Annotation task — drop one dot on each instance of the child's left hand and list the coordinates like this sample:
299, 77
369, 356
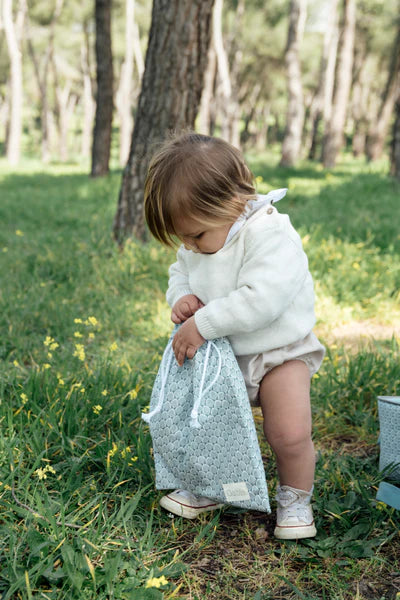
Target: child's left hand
186, 341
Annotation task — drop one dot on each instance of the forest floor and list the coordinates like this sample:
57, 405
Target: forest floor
83, 327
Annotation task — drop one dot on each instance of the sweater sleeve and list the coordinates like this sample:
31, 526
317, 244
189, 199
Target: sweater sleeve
178, 283
258, 300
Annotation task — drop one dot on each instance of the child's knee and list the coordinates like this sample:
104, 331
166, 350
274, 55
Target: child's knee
290, 441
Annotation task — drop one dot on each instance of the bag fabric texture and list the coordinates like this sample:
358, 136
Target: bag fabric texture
389, 440
202, 427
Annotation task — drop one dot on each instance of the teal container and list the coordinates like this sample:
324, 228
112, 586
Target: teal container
389, 419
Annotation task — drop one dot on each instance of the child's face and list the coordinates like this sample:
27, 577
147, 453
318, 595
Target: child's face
203, 238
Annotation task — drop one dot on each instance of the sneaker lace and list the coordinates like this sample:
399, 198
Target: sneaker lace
292, 506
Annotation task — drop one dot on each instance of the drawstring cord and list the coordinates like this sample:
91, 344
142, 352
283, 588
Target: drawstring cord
164, 375
194, 417
165, 368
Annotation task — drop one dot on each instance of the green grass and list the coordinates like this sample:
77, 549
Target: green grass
83, 327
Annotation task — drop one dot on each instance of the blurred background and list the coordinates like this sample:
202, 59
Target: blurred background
288, 73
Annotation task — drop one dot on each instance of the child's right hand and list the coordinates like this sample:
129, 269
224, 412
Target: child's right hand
185, 308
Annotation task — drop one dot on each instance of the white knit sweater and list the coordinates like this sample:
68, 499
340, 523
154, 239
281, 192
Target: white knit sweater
257, 289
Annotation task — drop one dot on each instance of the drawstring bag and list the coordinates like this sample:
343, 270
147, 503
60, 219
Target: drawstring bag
389, 457
202, 427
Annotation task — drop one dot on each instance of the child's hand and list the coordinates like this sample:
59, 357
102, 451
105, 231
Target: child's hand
185, 308
186, 341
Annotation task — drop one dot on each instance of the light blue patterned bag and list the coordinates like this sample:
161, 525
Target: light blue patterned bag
389, 439
202, 427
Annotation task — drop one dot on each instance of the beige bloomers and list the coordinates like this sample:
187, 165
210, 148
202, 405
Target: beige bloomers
255, 366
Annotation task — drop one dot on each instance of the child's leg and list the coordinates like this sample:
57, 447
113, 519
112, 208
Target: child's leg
285, 402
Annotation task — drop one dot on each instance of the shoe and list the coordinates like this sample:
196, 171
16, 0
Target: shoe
185, 504
294, 519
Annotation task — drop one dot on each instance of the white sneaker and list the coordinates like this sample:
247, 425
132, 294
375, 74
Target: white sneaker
294, 519
185, 504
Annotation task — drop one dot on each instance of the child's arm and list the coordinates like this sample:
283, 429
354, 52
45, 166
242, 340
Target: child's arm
179, 295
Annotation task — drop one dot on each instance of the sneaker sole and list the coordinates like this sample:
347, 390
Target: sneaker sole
185, 510
295, 533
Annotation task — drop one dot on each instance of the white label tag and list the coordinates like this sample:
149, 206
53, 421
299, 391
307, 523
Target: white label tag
236, 492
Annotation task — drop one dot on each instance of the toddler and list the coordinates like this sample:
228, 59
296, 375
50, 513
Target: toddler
241, 272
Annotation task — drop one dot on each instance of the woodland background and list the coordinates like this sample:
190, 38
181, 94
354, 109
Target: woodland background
293, 73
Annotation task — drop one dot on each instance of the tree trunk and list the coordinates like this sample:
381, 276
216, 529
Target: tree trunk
395, 149
228, 105
42, 81
323, 101
176, 60
13, 35
333, 140
89, 106
377, 135
295, 112
104, 97
207, 97
123, 97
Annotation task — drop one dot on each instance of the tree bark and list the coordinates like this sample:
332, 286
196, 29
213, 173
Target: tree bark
395, 147
13, 33
333, 140
295, 112
176, 60
229, 107
323, 101
207, 104
123, 99
104, 97
89, 106
377, 135
42, 81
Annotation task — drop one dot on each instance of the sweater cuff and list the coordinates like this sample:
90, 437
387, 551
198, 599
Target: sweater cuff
204, 326
178, 294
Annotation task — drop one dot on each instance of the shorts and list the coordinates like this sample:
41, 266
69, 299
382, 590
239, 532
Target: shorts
255, 366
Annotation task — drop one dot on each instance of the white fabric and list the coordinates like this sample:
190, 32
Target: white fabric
257, 289
252, 207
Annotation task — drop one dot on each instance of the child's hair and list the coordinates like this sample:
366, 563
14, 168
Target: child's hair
195, 176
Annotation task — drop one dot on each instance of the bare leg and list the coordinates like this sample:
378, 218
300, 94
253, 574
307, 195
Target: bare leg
285, 403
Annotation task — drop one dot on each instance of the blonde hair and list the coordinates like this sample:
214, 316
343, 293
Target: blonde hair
198, 176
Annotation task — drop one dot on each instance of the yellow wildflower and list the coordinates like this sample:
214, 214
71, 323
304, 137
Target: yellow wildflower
79, 352
133, 459
82, 390
16, 363
113, 347
5, 249
91, 336
19, 232
78, 321
46, 366
125, 451
92, 321
24, 398
42, 473
97, 409
114, 449
53, 346
104, 393
133, 394
77, 334
156, 582
49, 355
48, 341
